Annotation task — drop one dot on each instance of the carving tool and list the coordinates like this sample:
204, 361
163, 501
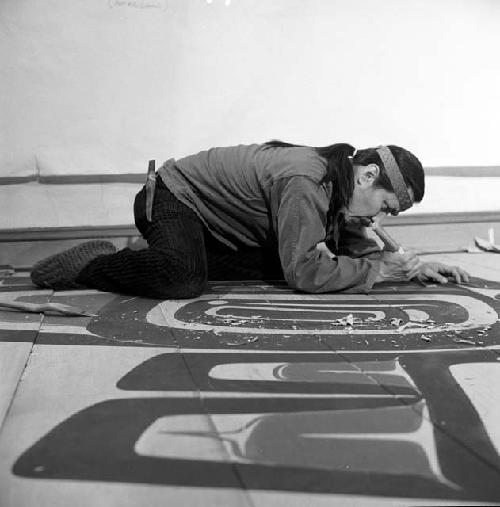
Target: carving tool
391, 245
59, 308
150, 189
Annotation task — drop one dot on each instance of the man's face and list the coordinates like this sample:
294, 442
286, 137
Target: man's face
368, 200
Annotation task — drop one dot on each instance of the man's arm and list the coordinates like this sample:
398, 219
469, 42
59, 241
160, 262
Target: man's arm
354, 242
299, 211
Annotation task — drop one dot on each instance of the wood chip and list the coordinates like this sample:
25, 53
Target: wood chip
468, 342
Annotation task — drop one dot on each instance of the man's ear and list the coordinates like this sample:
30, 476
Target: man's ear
369, 174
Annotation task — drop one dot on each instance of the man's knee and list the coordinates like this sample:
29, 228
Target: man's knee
182, 281
176, 277
190, 289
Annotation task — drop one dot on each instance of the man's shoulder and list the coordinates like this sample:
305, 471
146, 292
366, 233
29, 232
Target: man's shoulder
301, 161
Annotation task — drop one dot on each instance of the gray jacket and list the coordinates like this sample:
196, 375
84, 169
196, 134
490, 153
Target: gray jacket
258, 196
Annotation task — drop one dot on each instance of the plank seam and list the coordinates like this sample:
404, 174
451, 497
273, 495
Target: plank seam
21, 376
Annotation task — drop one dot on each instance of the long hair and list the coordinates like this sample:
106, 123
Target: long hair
341, 158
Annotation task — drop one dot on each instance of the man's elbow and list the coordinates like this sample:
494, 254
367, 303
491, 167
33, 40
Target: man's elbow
301, 282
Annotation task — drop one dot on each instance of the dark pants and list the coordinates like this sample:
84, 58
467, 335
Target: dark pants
181, 255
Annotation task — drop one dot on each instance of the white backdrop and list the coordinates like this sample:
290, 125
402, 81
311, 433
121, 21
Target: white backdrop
101, 86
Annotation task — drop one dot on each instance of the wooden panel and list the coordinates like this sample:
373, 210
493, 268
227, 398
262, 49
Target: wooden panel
254, 387
69, 420
323, 421
441, 353
74, 417
18, 331
13, 358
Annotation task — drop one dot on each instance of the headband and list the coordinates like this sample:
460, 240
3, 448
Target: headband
396, 178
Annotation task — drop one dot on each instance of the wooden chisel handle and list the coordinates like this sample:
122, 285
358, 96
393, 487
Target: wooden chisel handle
391, 245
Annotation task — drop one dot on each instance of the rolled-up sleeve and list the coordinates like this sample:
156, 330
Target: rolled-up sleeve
299, 208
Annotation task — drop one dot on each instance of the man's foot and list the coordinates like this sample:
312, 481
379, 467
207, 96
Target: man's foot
59, 271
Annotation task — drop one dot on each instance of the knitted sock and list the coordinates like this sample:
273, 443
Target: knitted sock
59, 271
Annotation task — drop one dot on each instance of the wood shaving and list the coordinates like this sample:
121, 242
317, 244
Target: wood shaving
411, 324
348, 320
246, 341
396, 322
468, 342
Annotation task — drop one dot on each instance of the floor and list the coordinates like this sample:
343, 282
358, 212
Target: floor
253, 395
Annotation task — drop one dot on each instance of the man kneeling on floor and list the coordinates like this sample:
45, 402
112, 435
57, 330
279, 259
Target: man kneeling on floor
259, 212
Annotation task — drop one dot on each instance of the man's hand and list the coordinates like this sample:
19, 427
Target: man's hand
398, 267
441, 273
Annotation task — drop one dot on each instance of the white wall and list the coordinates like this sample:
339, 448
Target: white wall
95, 86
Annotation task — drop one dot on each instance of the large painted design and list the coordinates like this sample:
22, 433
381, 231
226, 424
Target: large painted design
345, 321
379, 394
